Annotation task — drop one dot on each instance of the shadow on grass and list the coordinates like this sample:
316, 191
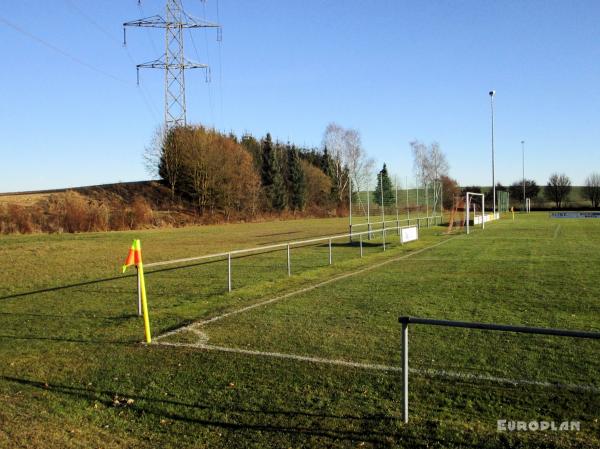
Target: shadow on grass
68, 340
109, 279
249, 419
123, 317
149, 272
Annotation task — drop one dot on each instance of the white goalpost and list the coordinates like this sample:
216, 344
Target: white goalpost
468, 207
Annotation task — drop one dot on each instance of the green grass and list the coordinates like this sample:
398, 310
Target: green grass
71, 355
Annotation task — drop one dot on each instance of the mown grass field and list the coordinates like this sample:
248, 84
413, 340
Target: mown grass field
73, 372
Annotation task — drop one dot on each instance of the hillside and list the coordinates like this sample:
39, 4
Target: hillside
153, 191
106, 207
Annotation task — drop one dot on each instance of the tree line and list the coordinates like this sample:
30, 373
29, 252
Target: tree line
224, 174
557, 189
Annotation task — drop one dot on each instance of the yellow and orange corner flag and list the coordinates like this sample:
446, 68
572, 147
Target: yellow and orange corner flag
135, 258
135, 255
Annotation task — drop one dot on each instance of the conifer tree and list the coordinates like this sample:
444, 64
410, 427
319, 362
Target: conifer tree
272, 176
297, 180
383, 181
266, 172
278, 190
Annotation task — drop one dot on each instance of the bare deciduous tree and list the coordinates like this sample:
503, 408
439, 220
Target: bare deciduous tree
419, 151
592, 189
429, 162
437, 164
360, 166
333, 140
152, 153
164, 157
430, 166
349, 157
558, 189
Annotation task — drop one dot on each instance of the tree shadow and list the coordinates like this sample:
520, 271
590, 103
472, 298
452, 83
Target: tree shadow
149, 272
69, 340
254, 420
122, 317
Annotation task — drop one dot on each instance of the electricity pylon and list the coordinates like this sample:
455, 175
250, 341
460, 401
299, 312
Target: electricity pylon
173, 61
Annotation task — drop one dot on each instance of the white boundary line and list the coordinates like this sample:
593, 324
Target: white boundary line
556, 231
389, 368
199, 324
202, 339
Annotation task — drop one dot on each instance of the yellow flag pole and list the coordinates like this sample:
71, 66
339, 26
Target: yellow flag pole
144, 299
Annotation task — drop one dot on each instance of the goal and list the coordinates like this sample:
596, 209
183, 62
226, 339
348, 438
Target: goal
481, 219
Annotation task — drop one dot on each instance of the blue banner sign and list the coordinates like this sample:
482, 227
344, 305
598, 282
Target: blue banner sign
575, 215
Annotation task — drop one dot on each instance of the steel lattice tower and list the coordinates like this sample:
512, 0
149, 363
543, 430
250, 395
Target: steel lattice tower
173, 61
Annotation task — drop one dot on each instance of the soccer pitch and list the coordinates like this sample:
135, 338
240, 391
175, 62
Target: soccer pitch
311, 360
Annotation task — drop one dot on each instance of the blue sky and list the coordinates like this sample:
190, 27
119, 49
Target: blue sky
394, 70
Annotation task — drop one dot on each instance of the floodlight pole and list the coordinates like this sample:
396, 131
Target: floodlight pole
368, 212
523, 155
427, 203
492, 93
407, 205
350, 202
418, 210
382, 206
397, 216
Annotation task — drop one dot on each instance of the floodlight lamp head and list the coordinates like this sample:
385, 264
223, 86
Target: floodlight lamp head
492, 93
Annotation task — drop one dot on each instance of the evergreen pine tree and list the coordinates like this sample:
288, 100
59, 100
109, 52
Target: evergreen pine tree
383, 181
271, 175
326, 163
266, 172
297, 180
278, 191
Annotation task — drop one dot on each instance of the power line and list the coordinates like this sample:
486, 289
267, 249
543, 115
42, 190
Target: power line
59, 50
220, 41
173, 61
147, 31
142, 91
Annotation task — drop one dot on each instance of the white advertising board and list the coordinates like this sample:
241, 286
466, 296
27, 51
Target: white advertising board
409, 234
575, 215
485, 218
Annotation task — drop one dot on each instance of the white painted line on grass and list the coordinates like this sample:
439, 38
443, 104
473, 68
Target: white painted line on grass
202, 340
381, 367
298, 292
556, 231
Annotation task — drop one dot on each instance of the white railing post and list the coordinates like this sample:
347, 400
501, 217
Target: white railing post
405, 371
361, 246
139, 291
330, 256
468, 206
229, 272
383, 236
483, 211
289, 261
